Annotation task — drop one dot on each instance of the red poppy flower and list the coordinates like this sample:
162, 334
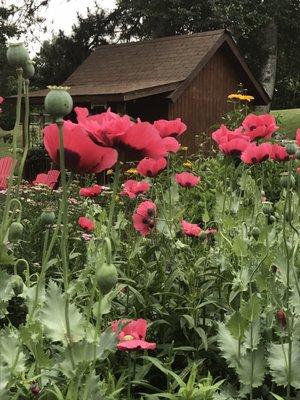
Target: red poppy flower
190, 229
186, 179
234, 147
223, 135
91, 191
173, 128
298, 137
133, 335
133, 188
255, 154
259, 126
144, 217
86, 223
1, 99
104, 128
281, 318
7, 165
81, 154
279, 153
151, 167
49, 179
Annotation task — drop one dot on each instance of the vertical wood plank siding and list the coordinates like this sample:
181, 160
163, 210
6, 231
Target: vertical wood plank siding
204, 101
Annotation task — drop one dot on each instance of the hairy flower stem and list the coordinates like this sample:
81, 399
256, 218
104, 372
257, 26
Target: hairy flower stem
64, 238
129, 376
4, 223
26, 133
287, 214
113, 200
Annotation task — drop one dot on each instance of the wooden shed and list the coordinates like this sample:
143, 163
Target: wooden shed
185, 76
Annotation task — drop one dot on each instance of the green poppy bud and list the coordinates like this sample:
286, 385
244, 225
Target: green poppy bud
267, 207
15, 231
58, 102
297, 155
28, 69
285, 180
202, 236
255, 232
291, 148
47, 217
271, 219
17, 55
107, 277
17, 285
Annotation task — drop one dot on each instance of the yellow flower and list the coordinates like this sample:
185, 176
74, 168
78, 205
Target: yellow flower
247, 98
233, 96
184, 148
239, 96
187, 164
109, 172
131, 171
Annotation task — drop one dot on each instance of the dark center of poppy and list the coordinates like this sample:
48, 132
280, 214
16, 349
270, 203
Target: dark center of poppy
252, 127
150, 212
188, 184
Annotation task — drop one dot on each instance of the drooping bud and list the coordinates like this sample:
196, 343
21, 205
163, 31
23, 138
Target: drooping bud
15, 231
17, 55
255, 232
281, 318
47, 217
267, 207
287, 181
28, 69
58, 102
107, 277
17, 285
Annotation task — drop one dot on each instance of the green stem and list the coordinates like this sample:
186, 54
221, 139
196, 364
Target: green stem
26, 134
113, 201
4, 223
129, 376
64, 237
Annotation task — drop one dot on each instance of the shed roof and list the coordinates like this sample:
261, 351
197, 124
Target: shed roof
137, 69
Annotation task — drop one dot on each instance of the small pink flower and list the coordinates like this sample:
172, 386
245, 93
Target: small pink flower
71, 200
86, 223
133, 188
186, 179
133, 335
87, 236
91, 191
1, 99
254, 154
190, 229
151, 167
298, 137
259, 126
144, 217
173, 128
7, 165
49, 178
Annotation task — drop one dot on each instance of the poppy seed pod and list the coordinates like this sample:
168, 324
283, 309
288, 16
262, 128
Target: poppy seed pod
47, 217
17, 55
58, 102
15, 231
107, 277
291, 148
28, 69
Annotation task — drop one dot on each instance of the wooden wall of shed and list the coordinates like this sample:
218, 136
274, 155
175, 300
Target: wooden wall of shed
148, 108
204, 101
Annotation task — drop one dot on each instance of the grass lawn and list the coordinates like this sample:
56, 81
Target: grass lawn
289, 120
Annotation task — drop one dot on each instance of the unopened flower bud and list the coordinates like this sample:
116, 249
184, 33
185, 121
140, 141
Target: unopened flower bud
15, 231
291, 148
17, 55
202, 236
58, 102
107, 277
48, 217
17, 285
255, 232
267, 207
287, 181
281, 318
297, 155
35, 389
28, 69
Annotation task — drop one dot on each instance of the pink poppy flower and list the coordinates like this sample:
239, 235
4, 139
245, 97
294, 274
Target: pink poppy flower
298, 137
133, 188
190, 229
49, 179
81, 153
151, 167
171, 144
223, 135
86, 223
186, 179
133, 335
144, 217
259, 126
1, 99
91, 191
255, 154
234, 147
7, 165
211, 231
278, 153
172, 128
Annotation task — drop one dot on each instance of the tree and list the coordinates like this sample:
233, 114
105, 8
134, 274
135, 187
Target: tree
59, 57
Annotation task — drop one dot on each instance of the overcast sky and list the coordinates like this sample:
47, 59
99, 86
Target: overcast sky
61, 14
